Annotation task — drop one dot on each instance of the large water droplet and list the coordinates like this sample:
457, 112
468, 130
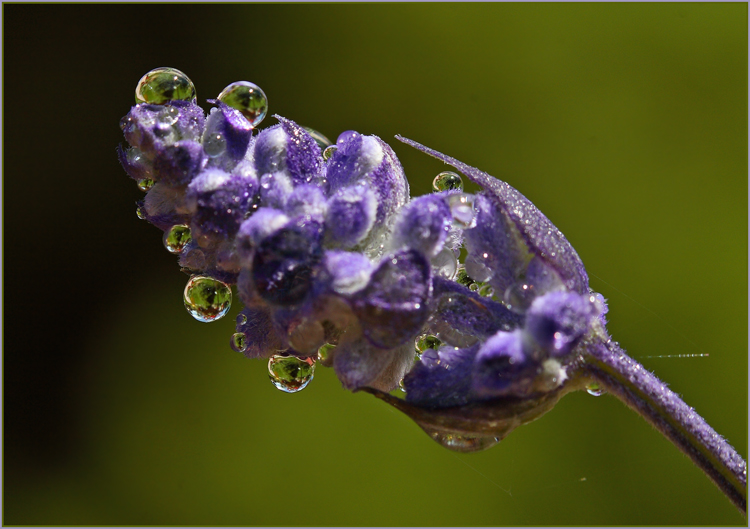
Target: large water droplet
248, 98
519, 296
214, 144
426, 341
445, 264
176, 238
289, 373
207, 299
486, 291
447, 181
345, 136
329, 152
238, 342
324, 352
321, 140
144, 184
463, 443
593, 388
462, 210
161, 85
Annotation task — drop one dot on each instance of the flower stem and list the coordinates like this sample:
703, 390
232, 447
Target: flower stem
623, 377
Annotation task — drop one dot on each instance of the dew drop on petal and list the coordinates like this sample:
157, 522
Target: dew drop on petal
324, 352
144, 184
176, 238
319, 138
486, 291
463, 443
241, 319
445, 264
248, 98
162, 85
519, 296
168, 116
207, 299
448, 181
426, 341
289, 373
345, 136
462, 210
140, 211
593, 388
238, 342
328, 152
214, 144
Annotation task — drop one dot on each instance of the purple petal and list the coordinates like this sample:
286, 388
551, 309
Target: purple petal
558, 320
285, 264
502, 366
304, 160
392, 308
351, 214
134, 163
441, 378
539, 234
233, 126
260, 336
179, 163
349, 271
219, 202
359, 363
423, 224
307, 200
369, 158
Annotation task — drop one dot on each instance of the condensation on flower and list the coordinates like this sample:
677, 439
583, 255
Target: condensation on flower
336, 264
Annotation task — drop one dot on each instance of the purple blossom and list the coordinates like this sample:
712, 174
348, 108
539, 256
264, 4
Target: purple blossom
329, 254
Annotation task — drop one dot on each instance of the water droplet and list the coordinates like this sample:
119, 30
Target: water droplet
463, 443
462, 210
321, 140
176, 238
345, 136
426, 341
289, 373
140, 211
168, 116
401, 385
474, 286
325, 351
238, 342
162, 85
241, 319
593, 388
207, 299
144, 184
248, 98
486, 291
329, 151
519, 296
445, 264
214, 144
447, 181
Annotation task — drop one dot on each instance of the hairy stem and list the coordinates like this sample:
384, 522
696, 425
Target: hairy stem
629, 381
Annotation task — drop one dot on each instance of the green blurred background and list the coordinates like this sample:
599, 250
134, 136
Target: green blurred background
626, 124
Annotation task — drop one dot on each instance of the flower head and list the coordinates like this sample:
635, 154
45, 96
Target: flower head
337, 265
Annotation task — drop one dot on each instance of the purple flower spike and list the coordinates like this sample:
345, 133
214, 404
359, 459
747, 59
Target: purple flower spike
393, 307
539, 234
234, 128
334, 264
